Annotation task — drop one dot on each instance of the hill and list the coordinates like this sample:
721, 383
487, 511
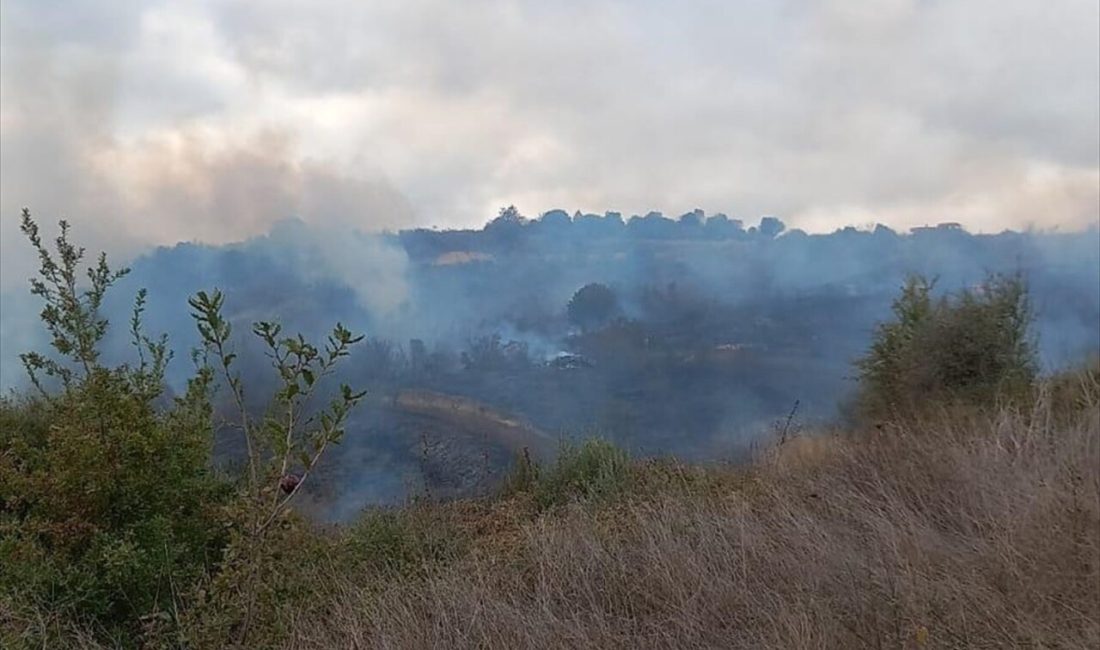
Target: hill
963, 528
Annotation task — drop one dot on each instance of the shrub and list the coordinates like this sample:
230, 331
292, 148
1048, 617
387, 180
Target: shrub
405, 540
110, 512
107, 504
300, 573
594, 469
973, 347
592, 305
490, 352
259, 588
523, 475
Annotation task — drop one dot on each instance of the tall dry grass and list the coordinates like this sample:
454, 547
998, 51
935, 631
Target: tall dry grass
962, 529
966, 528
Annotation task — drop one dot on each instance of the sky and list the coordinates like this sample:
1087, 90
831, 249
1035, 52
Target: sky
157, 122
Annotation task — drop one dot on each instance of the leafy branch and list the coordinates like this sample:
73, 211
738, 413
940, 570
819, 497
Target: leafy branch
285, 436
71, 315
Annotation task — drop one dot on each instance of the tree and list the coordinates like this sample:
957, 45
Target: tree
721, 226
972, 347
556, 220
507, 229
691, 223
596, 226
508, 218
592, 305
653, 225
771, 227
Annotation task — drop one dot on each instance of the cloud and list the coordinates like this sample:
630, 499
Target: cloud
214, 188
781, 108
132, 135
213, 120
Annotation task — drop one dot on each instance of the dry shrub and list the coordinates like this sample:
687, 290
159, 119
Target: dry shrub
964, 529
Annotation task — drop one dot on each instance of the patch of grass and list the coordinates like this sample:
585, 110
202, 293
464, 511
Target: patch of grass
978, 529
592, 470
406, 540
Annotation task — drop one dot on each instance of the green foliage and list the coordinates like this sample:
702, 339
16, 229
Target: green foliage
524, 475
298, 572
258, 588
289, 436
71, 315
283, 446
592, 470
405, 540
111, 516
972, 347
107, 504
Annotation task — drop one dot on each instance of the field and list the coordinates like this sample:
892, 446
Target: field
963, 528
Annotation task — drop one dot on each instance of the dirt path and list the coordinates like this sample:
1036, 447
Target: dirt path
476, 418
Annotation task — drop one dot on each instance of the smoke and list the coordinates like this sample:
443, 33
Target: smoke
134, 118
166, 122
721, 328
370, 265
74, 137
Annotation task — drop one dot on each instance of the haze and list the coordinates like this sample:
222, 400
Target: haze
153, 123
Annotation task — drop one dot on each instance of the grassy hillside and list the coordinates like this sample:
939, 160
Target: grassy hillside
961, 530
975, 527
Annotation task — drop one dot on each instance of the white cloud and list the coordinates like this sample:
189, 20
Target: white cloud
213, 119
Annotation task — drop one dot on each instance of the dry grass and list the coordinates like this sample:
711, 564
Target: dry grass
962, 530
965, 529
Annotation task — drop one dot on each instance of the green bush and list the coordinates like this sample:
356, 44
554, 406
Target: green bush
298, 573
973, 346
259, 589
405, 540
107, 504
592, 470
111, 514
592, 305
523, 476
